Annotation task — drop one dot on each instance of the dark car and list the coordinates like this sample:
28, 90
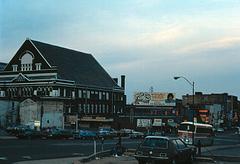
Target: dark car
60, 134
158, 149
15, 130
29, 134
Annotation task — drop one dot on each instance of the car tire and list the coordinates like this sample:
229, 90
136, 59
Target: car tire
141, 162
190, 159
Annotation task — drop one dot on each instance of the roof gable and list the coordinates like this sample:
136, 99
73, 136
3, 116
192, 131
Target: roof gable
27, 47
20, 78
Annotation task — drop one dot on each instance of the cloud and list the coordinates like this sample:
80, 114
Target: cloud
218, 44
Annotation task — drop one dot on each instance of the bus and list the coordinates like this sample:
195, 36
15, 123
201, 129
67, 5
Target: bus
202, 132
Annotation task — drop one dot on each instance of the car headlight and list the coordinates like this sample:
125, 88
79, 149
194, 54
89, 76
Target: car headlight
186, 140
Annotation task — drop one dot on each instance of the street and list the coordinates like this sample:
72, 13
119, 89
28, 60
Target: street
15, 150
20, 150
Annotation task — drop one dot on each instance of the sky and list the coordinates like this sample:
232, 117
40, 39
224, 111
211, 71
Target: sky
149, 41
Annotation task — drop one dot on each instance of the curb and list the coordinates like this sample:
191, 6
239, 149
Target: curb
7, 137
224, 158
204, 159
97, 155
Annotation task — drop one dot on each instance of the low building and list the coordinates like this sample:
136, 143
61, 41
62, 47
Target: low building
222, 109
58, 87
153, 111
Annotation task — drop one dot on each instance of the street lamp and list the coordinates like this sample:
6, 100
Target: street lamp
192, 85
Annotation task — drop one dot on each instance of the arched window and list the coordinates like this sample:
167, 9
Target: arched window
26, 62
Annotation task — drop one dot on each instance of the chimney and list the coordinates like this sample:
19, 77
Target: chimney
116, 80
123, 82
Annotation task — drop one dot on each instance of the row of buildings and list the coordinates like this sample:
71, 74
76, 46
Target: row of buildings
45, 85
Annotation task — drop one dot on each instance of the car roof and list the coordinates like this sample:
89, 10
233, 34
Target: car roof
162, 137
197, 124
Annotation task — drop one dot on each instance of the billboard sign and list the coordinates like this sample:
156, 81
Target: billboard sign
157, 122
144, 122
155, 98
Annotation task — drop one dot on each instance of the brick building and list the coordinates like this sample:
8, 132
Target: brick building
223, 109
64, 87
152, 111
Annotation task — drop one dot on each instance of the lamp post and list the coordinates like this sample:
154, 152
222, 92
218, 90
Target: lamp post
192, 85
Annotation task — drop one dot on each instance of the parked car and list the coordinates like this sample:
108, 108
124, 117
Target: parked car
107, 132
59, 134
15, 130
154, 133
126, 132
158, 149
29, 134
86, 134
136, 135
219, 130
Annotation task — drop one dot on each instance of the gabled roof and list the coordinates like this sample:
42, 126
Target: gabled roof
76, 66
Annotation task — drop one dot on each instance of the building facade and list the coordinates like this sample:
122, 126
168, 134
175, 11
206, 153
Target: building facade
154, 111
219, 109
58, 87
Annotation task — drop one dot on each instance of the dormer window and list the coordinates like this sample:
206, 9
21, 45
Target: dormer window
14, 68
38, 66
26, 62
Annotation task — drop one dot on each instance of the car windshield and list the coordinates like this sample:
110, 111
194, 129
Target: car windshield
155, 142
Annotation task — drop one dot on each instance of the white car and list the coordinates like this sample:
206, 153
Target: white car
221, 130
136, 134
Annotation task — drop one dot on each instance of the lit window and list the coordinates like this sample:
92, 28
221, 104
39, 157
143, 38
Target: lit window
84, 94
100, 108
103, 108
92, 107
88, 94
64, 92
38, 66
14, 67
26, 62
79, 93
100, 95
107, 96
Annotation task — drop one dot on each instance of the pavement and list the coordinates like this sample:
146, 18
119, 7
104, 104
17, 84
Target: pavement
127, 158
112, 160
210, 155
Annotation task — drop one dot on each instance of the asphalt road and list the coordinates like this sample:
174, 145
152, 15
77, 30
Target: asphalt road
23, 150
20, 150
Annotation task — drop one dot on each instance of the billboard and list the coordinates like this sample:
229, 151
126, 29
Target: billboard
154, 98
157, 122
144, 122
